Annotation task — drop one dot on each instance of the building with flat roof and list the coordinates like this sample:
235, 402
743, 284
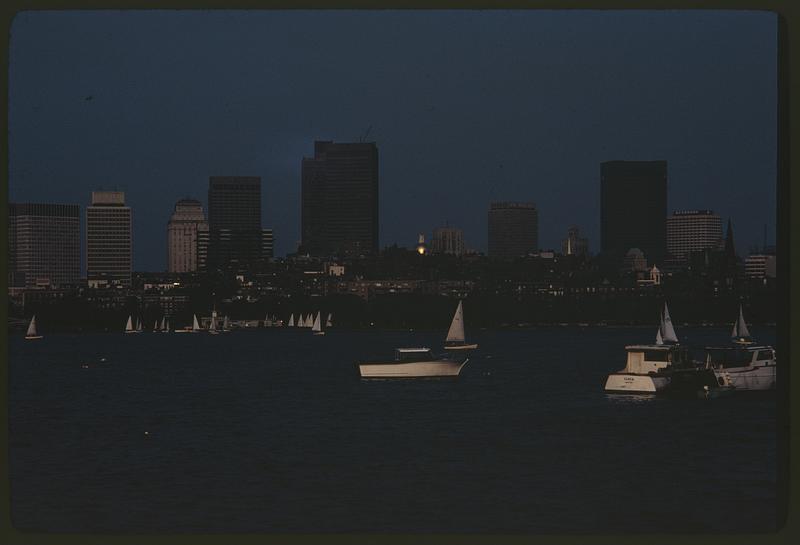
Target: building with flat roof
448, 240
44, 244
633, 208
182, 230
693, 231
575, 244
234, 222
513, 229
109, 250
339, 199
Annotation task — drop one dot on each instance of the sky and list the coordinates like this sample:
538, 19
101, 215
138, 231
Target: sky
465, 107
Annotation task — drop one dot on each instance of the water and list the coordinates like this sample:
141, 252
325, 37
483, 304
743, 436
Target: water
272, 431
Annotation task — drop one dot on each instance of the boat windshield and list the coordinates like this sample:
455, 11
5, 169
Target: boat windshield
419, 354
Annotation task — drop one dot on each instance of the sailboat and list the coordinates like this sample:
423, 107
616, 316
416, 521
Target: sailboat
309, 320
212, 328
195, 324
138, 325
155, 327
32, 334
226, 328
665, 330
744, 366
291, 320
455, 336
301, 322
129, 325
329, 322
164, 325
316, 328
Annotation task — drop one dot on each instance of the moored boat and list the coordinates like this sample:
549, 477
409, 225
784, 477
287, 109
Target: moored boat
413, 363
32, 334
455, 335
316, 327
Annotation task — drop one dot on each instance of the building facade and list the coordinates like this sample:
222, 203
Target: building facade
760, 266
633, 208
339, 199
575, 244
234, 222
448, 240
44, 244
513, 229
109, 250
693, 231
182, 240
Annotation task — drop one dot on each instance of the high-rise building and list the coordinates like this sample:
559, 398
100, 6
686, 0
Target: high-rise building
448, 240
339, 210
44, 242
692, 231
234, 221
633, 208
513, 229
108, 239
574, 244
760, 266
182, 229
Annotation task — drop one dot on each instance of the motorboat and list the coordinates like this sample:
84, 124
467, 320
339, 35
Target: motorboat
413, 363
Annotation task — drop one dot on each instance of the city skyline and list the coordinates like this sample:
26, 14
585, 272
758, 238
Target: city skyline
714, 124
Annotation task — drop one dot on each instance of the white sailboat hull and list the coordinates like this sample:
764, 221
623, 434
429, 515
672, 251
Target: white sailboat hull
635, 384
33, 337
421, 369
748, 378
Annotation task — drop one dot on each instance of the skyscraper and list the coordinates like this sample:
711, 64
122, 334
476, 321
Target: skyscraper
633, 208
44, 244
448, 240
692, 231
339, 209
108, 239
182, 239
234, 221
513, 229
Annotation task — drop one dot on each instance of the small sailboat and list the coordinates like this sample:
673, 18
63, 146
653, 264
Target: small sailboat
226, 326
32, 334
195, 324
212, 328
316, 327
740, 333
309, 322
138, 325
301, 322
155, 327
129, 325
164, 325
329, 321
455, 335
291, 320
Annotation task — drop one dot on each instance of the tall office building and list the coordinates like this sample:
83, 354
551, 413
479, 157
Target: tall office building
513, 229
448, 240
182, 230
234, 221
339, 210
108, 239
574, 244
633, 208
44, 243
692, 231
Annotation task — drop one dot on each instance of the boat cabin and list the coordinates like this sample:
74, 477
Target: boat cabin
412, 354
738, 356
644, 359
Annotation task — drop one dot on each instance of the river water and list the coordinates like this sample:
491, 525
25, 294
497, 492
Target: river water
272, 431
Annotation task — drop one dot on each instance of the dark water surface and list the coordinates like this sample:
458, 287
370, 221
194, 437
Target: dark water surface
272, 431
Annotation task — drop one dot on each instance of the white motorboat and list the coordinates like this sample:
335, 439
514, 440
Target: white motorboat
746, 366
648, 366
32, 334
455, 335
412, 363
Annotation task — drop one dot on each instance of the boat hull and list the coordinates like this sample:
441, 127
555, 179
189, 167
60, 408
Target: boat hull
748, 378
33, 337
636, 384
412, 369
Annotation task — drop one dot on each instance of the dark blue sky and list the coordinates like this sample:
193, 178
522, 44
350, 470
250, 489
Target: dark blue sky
466, 107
